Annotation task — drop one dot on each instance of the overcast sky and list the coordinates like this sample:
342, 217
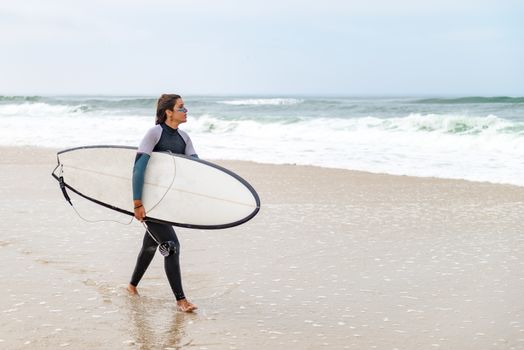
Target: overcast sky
367, 47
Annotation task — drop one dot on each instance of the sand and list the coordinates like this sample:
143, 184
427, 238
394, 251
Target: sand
335, 259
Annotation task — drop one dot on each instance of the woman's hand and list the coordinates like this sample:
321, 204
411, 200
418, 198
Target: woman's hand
140, 211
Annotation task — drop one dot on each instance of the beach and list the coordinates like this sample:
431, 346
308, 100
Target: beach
336, 259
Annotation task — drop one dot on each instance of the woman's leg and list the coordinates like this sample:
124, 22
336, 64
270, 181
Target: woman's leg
166, 234
144, 259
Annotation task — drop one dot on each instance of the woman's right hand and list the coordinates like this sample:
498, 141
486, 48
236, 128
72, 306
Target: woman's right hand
140, 212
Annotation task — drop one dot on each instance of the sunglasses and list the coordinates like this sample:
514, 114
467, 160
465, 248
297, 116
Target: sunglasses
183, 110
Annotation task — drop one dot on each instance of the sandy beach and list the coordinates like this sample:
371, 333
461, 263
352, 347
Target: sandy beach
335, 259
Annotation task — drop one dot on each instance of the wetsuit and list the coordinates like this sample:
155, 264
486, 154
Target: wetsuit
160, 138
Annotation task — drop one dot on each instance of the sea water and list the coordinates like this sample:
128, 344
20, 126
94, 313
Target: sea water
473, 138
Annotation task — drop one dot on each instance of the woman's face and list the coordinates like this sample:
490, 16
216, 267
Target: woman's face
179, 113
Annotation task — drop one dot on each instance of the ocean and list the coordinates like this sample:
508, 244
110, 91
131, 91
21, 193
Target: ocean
472, 138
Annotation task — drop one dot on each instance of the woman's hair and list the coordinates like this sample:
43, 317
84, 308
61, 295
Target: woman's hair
165, 102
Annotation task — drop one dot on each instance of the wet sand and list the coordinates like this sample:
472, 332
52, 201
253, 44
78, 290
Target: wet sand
335, 259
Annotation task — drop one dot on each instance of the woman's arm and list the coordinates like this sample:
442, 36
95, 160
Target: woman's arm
190, 150
139, 170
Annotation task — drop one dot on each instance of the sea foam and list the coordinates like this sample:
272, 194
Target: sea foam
378, 135
263, 102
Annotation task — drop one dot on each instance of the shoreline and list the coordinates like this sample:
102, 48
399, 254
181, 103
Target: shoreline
46, 150
334, 259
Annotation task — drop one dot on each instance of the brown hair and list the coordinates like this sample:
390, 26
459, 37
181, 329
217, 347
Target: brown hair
165, 102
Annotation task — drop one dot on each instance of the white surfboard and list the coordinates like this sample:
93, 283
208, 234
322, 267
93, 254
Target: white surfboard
178, 190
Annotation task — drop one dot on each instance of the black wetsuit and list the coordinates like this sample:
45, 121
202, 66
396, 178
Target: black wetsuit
160, 138
162, 233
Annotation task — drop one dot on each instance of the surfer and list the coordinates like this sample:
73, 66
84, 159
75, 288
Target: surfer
163, 137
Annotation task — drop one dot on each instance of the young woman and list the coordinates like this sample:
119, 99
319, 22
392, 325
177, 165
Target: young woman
164, 136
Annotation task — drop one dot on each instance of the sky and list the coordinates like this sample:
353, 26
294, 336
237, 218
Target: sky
370, 47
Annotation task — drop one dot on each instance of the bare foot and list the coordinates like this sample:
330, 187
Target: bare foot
186, 306
132, 289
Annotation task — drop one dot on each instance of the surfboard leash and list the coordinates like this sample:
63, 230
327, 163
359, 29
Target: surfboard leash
63, 188
62, 184
149, 232
165, 248
161, 199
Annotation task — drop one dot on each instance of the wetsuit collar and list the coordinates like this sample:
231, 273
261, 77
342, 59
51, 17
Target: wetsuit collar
168, 128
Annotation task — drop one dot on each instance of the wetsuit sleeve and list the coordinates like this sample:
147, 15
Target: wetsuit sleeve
142, 158
139, 172
190, 150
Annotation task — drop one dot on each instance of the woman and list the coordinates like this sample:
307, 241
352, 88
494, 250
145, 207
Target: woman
164, 136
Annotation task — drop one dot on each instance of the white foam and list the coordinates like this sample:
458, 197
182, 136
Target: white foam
484, 152
448, 146
262, 102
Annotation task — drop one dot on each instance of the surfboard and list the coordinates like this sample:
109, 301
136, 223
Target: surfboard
178, 190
